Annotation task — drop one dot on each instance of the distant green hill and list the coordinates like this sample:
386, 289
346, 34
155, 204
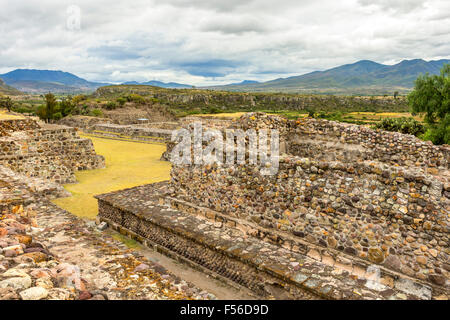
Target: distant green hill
155, 83
8, 90
42, 81
362, 77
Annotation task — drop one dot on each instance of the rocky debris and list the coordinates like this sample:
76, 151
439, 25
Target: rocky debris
107, 268
30, 271
12, 125
82, 122
47, 254
102, 226
17, 187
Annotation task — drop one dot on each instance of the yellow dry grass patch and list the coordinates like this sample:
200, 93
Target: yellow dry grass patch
231, 115
382, 115
235, 115
128, 164
4, 115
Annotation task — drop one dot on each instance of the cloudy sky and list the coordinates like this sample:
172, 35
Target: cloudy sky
205, 42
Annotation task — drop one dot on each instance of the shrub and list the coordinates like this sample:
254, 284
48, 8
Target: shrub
135, 98
96, 113
213, 110
66, 106
403, 125
57, 116
121, 101
77, 99
111, 105
310, 113
439, 134
23, 108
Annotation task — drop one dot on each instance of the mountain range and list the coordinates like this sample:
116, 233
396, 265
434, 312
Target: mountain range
42, 81
362, 77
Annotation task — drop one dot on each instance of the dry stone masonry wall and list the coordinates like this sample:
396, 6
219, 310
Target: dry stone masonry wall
8, 126
339, 141
53, 152
375, 196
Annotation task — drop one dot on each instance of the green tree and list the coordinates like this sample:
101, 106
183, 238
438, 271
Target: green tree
395, 94
431, 96
6, 103
47, 111
66, 106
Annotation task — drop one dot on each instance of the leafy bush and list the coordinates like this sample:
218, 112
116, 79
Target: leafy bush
66, 106
403, 125
135, 98
431, 95
96, 113
57, 116
111, 105
439, 134
310, 112
79, 98
213, 110
121, 101
23, 108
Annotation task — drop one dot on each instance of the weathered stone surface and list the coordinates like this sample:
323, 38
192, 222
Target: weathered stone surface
52, 152
370, 194
17, 283
34, 293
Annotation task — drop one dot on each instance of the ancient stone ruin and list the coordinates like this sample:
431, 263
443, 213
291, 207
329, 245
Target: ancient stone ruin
47, 253
352, 213
46, 151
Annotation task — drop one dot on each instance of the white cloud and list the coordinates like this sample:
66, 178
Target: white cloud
205, 42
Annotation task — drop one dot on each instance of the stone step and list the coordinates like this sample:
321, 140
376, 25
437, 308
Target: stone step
231, 253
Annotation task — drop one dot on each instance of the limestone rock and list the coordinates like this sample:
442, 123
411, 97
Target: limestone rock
34, 293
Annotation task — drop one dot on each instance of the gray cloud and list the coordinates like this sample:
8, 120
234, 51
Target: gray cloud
206, 42
396, 5
234, 25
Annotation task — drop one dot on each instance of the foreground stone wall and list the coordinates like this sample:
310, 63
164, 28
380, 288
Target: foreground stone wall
383, 214
384, 211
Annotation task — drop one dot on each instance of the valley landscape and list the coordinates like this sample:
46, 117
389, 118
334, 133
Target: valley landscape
94, 204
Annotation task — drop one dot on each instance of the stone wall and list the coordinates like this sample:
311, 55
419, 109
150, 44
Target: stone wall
132, 131
8, 126
389, 211
82, 122
329, 140
53, 153
18, 189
